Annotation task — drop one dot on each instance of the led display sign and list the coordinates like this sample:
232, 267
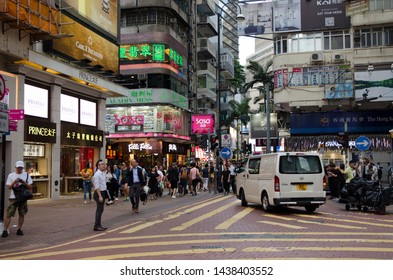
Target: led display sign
151, 52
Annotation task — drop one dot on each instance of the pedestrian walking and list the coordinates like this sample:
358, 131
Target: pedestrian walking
184, 174
124, 173
173, 178
232, 176
100, 193
111, 184
87, 174
205, 177
225, 179
135, 183
333, 181
194, 177
153, 183
16, 180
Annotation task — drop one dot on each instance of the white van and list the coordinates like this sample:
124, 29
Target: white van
283, 179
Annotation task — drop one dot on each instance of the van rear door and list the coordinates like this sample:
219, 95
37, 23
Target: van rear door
301, 176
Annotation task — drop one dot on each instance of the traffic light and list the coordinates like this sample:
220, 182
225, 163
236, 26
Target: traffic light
343, 139
213, 142
204, 141
244, 147
249, 149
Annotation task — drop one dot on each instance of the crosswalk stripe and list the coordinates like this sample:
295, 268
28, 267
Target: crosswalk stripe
281, 225
235, 218
202, 217
346, 220
310, 222
173, 216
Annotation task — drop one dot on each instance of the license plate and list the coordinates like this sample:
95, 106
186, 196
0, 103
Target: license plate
301, 187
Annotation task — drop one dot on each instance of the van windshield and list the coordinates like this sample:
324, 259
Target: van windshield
294, 164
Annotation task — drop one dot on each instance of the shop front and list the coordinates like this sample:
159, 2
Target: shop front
80, 147
37, 153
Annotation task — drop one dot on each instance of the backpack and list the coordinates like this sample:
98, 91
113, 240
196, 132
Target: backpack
184, 174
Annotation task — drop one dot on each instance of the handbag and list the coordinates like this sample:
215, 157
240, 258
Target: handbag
23, 193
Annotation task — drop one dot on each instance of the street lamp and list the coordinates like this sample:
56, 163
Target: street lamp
239, 18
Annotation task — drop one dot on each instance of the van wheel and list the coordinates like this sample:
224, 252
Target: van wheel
310, 208
265, 202
243, 198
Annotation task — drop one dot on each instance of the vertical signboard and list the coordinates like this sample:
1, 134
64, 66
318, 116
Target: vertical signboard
202, 124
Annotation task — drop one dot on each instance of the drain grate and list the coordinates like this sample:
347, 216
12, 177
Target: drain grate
207, 247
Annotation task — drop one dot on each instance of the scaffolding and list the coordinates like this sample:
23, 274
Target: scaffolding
38, 18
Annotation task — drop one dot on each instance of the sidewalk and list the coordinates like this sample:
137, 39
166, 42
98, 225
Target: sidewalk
50, 221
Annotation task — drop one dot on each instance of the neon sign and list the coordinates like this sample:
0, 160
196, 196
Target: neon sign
154, 52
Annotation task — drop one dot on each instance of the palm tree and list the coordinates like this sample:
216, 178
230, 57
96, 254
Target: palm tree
239, 77
239, 113
262, 74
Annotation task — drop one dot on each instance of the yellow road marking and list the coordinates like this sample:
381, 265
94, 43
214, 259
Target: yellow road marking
346, 220
327, 249
175, 215
157, 254
329, 225
310, 222
195, 234
281, 225
100, 249
202, 217
235, 218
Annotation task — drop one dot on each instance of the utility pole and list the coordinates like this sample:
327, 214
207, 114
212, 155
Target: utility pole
267, 89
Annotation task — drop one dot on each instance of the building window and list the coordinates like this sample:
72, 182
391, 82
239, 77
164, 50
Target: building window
373, 37
336, 40
379, 5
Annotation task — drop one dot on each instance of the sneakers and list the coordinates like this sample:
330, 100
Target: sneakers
109, 202
85, 202
173, 196
5, 234
19, 232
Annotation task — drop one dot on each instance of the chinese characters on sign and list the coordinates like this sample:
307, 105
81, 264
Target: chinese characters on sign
154, 52
81, 136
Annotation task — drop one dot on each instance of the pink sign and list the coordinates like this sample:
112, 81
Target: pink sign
13, 125
129, 120
202, 124
16, 115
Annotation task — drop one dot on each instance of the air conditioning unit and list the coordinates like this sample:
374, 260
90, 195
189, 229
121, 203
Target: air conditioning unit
316, 57
338, 57
141, 76
173, 20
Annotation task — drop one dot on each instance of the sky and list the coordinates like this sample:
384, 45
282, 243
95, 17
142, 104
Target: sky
246, 48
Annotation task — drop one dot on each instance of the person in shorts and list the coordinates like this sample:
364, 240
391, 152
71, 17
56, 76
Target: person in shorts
14, 181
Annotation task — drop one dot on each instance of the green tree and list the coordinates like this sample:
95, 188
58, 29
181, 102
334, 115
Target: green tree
239, 76
261, 74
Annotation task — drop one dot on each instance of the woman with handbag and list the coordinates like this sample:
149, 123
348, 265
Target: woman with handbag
15, 181
195, 178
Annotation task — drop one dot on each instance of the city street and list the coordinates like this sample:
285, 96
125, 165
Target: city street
206, 226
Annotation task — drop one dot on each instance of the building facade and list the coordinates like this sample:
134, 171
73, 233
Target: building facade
333, 62
55, 70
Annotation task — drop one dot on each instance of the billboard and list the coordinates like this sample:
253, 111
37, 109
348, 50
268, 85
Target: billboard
102, 13
258, 126
292, 16
86, 44
202, 124
377, 84
333, 122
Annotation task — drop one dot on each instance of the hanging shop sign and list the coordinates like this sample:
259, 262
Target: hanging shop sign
78, 135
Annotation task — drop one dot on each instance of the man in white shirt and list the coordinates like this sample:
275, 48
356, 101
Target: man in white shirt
232, 168
14, 181
99, 185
